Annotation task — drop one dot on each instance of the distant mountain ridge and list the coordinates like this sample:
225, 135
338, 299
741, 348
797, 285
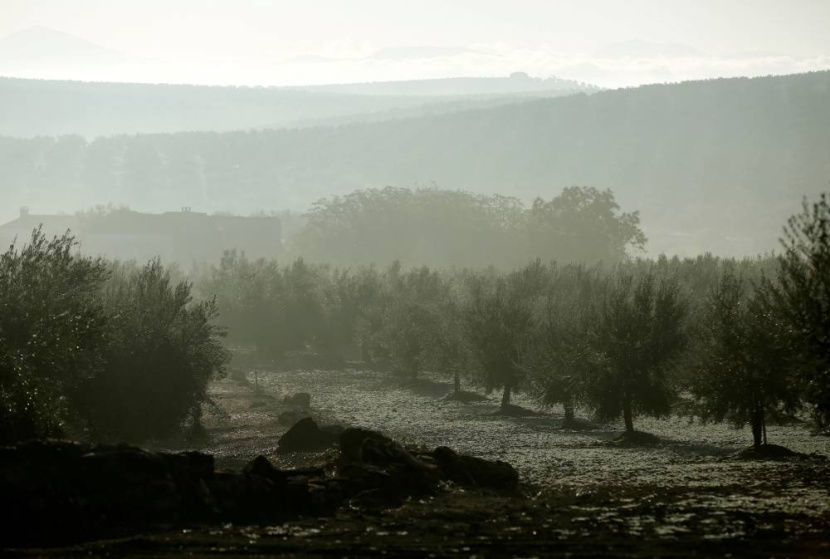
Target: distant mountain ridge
715, 165
51, 107
45, 48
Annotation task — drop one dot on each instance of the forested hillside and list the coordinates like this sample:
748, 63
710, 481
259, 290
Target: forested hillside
711, 165
44, 107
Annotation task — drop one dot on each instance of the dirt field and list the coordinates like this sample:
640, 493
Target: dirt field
584, 497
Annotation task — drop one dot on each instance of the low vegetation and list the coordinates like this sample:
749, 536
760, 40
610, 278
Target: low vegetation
91, 350
720, 339
111, 352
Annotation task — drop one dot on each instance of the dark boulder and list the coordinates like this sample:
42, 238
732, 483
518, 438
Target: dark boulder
334, 430
59, 491
193, 474
291, 418
352, 439
262, 492
249, 498
41, 498
306, 436
129, 485
475, 472
367, 484
380, 470
262, 467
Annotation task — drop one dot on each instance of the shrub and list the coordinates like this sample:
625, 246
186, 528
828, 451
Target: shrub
161, 352
51, 334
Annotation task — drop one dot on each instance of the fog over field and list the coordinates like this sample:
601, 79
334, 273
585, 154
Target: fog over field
415, 279
461, 96
603, 42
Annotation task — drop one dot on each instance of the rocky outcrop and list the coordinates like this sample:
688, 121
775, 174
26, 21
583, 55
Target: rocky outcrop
63, 490
291, 418
352, 440
58, 492
380, 471
306, 436
475, 472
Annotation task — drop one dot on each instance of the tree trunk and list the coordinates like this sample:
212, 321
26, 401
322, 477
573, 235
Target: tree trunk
628, 416
765, 429
821, 417
569, 411
456, 381
505, 397
757, 423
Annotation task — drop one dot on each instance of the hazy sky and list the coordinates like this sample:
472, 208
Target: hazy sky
544, 37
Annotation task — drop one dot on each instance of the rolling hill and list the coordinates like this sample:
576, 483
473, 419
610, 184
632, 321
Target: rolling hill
714, 165
90, 109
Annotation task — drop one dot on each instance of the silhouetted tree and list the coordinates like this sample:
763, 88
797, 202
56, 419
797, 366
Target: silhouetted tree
162, 350
639, 332
51, 334
425, 226
744, 371
123, 351
498, 319
274, 308
411, 318
348, 295
583, 224
802, 294
450, 351
246, 291
560, 358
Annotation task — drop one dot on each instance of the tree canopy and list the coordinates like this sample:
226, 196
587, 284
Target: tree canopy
744, 371
443, 228
803, 295
91, 347
639, 332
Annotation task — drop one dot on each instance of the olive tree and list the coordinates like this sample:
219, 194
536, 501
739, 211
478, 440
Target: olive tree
401, 329
162, 350
560, 357
802, 294
348, 297
450, 351
276, 308
51, 334
498, 319
638, 333
744, 367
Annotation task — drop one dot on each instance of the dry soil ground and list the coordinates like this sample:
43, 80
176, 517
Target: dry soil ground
690, 496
